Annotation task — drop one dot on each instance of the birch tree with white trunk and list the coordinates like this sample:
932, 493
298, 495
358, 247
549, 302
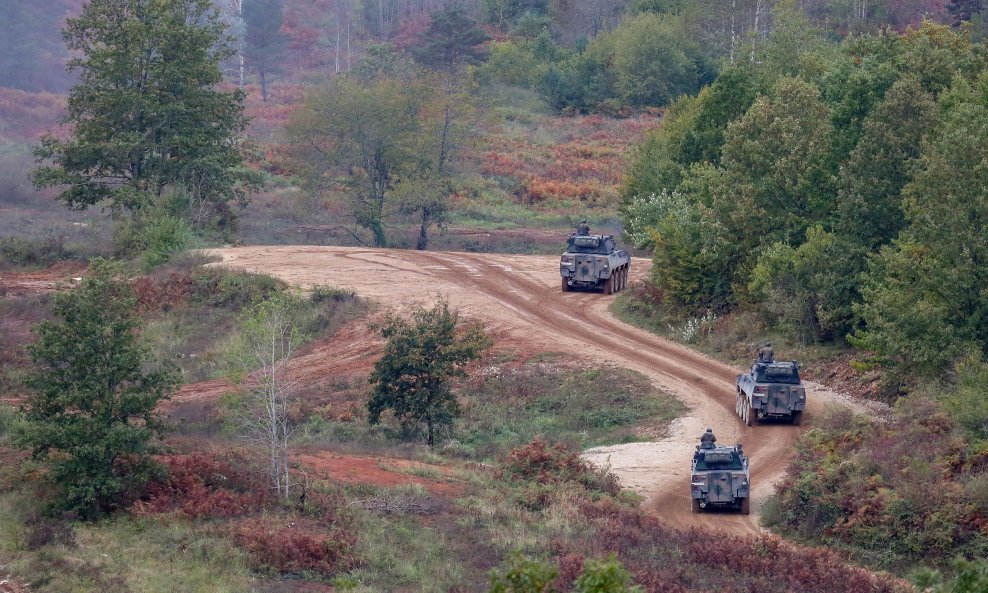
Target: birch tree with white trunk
271, 334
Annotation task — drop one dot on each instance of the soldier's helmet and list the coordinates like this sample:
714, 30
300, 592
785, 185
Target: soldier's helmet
769, 344
710, 430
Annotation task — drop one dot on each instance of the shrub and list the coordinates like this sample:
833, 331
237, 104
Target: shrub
286, 544
166, 236
43, 531
202, 485
15, 251
324, 294
897, 495
538, 462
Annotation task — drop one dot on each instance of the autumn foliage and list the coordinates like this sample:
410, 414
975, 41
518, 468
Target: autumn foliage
202, 485
293, 544
666, 560
542, 463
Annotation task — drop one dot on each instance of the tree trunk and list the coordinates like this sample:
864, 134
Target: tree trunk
734, 8
423, 231
754, 37
262, 74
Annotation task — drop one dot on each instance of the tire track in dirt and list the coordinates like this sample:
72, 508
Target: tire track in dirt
518, 297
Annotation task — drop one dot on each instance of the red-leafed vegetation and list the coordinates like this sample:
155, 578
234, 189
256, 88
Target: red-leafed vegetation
561, 158
204, 485
665, 560
291, 543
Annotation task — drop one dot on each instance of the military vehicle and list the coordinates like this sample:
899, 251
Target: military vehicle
592, 262
771, 390
719, 478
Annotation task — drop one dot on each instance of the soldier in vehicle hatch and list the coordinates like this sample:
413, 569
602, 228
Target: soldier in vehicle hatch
708, 439
766, 354
583, 228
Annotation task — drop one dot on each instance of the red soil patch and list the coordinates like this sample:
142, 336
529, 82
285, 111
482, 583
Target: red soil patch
56, 277
378, 471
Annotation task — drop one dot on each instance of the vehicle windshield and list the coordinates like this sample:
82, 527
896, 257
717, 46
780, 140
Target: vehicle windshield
588, 244
778, 373
707, 460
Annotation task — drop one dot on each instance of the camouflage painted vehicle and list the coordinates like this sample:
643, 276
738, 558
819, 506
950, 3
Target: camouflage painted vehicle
719, 479
771, 390
592, 262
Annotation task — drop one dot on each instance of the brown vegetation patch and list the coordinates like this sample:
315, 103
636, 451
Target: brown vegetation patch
840, 375
203, 485
295, 544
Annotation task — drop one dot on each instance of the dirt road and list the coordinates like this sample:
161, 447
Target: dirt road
519, 299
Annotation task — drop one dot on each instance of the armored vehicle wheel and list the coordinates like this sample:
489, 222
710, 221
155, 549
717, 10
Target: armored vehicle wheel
745, 506
696, 506
609, 285
624, 278
737, 404
797, 418
565, 285
750, 414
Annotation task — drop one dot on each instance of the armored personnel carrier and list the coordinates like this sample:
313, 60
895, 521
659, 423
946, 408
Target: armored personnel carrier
771, 390
592, 262
719, 478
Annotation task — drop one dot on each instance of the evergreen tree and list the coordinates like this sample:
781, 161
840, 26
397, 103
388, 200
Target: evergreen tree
145, 114
963, 10
91, 419
451, 40
264, 43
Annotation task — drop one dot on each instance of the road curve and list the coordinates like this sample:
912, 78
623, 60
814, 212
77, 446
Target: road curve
519, 299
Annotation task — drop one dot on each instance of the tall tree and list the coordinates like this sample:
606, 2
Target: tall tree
421, 355
775, 159
869, 201
264, 43
146, 115
387, 137
451, 40
31, 57
925, 298
356, 136
91, 417
963, 10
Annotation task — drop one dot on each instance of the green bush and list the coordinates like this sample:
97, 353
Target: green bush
16, 251
10, 421
165, 236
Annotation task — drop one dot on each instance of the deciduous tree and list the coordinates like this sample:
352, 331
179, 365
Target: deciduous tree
91, 417
925, 298
271, 333
421, 355
145, 114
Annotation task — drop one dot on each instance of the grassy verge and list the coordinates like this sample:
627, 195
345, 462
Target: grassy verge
122, 554
510, 405
734, 339
192, 312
